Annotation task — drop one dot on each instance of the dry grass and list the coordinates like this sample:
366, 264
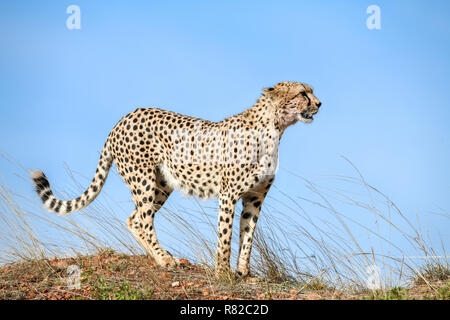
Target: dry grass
297, 254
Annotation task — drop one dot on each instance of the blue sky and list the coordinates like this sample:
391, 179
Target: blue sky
384, 92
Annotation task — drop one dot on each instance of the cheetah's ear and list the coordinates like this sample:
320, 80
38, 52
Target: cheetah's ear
268, 90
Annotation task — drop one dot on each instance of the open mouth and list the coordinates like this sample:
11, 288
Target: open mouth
306, 117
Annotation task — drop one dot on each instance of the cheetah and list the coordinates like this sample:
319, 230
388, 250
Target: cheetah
157, 151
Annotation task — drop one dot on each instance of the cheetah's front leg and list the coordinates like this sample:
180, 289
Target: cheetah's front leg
227, 204
252, 203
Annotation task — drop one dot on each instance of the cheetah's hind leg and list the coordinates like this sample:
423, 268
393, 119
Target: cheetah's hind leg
149, 195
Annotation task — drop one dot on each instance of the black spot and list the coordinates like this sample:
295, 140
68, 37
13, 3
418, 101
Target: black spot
69, 206
58, 207
46, 195
246, 215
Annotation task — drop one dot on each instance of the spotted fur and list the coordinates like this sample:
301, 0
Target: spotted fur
157, 151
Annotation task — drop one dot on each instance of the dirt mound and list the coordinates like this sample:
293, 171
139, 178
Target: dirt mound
117, 276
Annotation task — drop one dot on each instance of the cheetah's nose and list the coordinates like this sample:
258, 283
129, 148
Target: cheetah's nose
319, 104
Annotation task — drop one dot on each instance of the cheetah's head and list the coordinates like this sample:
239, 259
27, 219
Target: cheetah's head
293, 101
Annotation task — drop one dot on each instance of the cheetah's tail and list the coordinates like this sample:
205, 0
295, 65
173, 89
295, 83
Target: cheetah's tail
52, 204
